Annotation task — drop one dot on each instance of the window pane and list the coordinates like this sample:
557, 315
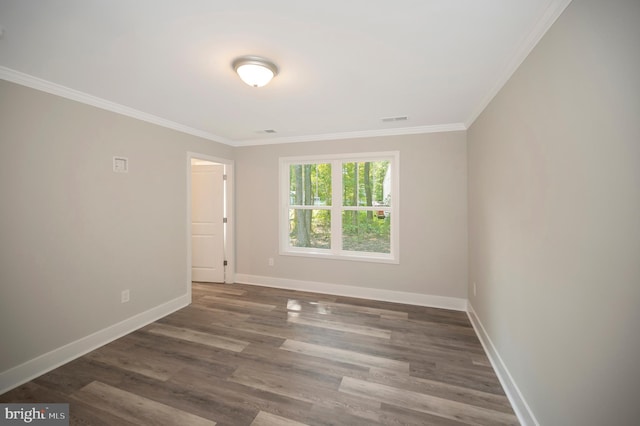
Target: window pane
310, 228
368, 231
366, 183
310, 184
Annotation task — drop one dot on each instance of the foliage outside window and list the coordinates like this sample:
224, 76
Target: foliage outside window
340, 206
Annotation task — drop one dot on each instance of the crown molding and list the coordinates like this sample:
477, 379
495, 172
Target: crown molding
439, 128
75, 95
550, 15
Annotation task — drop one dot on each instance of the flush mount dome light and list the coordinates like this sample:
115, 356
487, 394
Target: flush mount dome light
254, 70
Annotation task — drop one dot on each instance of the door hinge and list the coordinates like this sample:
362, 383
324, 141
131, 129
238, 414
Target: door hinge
224, 263
224, 220
224, 177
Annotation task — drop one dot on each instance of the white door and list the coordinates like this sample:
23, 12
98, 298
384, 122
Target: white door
207, 227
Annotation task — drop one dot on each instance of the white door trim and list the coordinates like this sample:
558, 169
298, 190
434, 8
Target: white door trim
230, 203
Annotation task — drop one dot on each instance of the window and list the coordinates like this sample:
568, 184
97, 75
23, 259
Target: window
342, 206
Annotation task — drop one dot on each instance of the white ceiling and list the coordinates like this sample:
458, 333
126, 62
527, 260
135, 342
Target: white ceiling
344, 65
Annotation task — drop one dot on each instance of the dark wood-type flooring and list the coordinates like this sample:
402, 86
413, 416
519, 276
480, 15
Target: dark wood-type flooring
247, 355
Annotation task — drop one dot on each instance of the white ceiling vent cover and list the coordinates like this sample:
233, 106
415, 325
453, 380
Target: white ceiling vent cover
121, 164
392, 119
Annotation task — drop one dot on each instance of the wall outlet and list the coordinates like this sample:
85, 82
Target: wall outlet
474, 289
124, 296
271, 262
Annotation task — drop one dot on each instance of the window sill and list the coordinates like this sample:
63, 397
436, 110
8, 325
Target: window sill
355, 257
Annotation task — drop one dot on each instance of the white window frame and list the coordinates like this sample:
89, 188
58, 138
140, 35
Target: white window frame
336, 208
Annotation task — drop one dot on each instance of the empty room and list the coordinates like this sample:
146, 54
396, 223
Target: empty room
320, 213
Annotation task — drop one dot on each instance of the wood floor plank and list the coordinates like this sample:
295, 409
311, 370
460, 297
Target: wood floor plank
267, 419
33, 392
290, 385
77, 374
242, 355
240, 303
352, 410
392, 415
440, 389
300, 363
323, 416
235, 403
380, 348
183, 353
362, 309
255, 326
80, 413
235, 329
205, 288
206, 396
481, 380
221, 314
319, 389
200, 313
134, 408
144, 363
426, 403
466, 345
294, 318
344, 355
198, 337
284, 294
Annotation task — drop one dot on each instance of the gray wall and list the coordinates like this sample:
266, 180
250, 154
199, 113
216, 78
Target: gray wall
554, 218
433, 216
73, 233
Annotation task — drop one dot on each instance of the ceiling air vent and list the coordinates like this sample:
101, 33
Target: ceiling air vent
392, 119
266, 131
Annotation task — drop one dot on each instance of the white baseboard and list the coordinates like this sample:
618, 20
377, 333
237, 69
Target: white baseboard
520, 406
454, 303
37, 366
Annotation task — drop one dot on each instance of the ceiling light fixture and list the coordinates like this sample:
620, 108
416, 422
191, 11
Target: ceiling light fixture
254, 70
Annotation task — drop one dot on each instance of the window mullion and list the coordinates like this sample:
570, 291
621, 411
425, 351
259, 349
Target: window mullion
336, 206
284, 204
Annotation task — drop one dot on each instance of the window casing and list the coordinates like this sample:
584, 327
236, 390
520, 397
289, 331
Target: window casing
341, 206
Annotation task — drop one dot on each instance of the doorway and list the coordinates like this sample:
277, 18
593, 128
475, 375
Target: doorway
210, 248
